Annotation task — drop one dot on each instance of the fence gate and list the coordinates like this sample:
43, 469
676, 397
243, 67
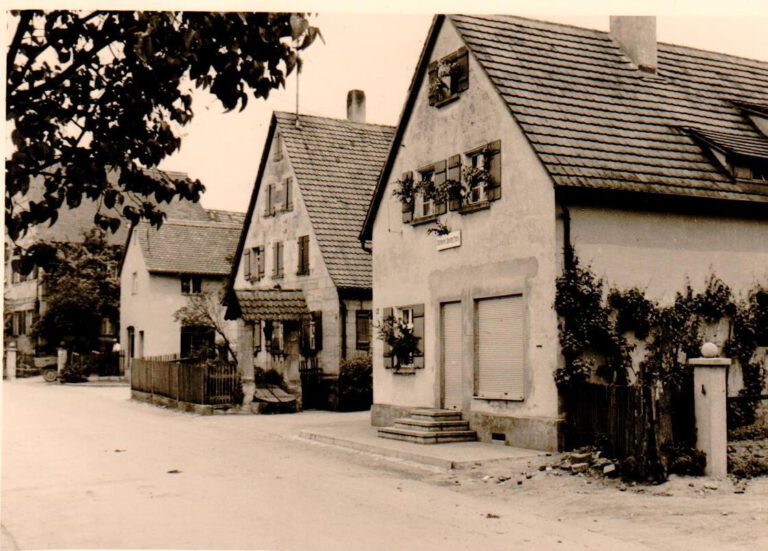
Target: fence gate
311, 384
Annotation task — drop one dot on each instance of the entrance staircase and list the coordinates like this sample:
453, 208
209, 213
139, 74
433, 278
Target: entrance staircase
430, 426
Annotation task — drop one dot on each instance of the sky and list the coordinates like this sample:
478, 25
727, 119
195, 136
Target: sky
375, 46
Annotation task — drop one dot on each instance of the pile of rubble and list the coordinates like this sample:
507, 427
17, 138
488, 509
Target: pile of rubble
587, 461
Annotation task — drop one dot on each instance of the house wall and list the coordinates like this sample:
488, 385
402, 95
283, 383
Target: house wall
319, 290
662, 252
507, 249
150, 309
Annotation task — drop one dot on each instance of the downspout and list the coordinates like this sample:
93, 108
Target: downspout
343, 323
568, 255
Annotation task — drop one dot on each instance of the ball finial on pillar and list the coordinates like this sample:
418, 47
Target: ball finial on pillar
709, 350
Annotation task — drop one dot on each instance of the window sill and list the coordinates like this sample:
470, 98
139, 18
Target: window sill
499, 397
424, 219
404, 371
447, 100
474, 207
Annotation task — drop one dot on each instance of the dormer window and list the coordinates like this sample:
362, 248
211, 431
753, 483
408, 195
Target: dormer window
751, 172
448, 77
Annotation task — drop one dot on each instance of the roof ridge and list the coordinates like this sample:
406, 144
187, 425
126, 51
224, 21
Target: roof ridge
200, 223
335, 119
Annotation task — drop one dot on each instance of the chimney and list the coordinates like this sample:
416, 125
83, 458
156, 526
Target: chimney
356, 106
637, 37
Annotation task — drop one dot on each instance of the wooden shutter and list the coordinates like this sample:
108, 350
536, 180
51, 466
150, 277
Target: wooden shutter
493, 189
462, 70
247, 264
388, 359
418, 330
256, 336
407, 207
434, 93
499, 347
303, 267
288, 194
318, 317
439, 180
270, 191
454, 173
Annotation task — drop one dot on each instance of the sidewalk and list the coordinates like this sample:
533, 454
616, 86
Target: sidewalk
354, 431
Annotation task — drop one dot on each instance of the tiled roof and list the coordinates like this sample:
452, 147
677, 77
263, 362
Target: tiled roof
747, 146
597, 121
273, 304
190, 246
337, 164
71, 224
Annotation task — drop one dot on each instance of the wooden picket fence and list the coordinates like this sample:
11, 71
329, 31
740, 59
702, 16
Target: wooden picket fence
629, 421
186, 379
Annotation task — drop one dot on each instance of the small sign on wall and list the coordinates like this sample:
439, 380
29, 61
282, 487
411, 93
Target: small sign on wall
449, 241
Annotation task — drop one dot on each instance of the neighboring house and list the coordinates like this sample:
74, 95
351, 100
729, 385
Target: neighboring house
300, 287
162, 268
25, 296
650, 160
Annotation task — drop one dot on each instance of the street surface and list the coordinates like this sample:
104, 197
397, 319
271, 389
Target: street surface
85, 467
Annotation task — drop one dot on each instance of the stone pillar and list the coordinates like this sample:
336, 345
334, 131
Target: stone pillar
245, 359
61, 358
709, 389
10, 361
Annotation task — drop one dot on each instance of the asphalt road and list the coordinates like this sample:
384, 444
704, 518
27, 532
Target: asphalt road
85, 467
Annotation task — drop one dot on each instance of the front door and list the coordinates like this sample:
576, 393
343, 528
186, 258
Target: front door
452, 352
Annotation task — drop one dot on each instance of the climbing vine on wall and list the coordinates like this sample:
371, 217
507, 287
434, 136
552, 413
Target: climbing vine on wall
594, 326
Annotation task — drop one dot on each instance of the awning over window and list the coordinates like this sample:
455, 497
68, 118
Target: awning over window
271, 305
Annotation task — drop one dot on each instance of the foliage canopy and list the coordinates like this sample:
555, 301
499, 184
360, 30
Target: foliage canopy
92, 92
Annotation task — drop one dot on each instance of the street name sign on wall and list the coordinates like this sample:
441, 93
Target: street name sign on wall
449, 241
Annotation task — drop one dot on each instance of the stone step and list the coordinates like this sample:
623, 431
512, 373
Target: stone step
428, 437
435, 414
431, 425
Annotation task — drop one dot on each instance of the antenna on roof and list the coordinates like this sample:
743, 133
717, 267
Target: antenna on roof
298, 70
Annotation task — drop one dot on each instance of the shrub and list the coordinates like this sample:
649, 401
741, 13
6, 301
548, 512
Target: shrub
686, 460
356, 384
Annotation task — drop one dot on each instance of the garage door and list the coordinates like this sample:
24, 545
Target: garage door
499, 347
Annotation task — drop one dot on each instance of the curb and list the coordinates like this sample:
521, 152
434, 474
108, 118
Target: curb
378, 450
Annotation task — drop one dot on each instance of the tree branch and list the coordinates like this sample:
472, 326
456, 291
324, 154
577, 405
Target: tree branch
21, 30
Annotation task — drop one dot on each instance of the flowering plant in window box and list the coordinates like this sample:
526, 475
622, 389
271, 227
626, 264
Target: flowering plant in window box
398, 334
405, 189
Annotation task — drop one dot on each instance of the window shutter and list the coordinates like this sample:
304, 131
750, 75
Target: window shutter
388, 359
499, 348
318, 330
288, 194
256, 336
434, 92
418, 331
493, 189
454, 174
462, 69
440, 180
269, 210
407, 207
260, 262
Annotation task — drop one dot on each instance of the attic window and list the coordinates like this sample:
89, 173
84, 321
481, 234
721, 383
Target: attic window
448, 77
278, 147
751, 171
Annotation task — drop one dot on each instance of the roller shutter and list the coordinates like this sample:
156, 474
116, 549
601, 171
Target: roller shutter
499, 348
